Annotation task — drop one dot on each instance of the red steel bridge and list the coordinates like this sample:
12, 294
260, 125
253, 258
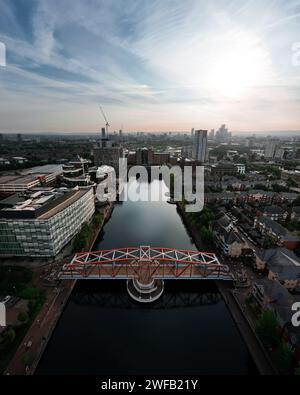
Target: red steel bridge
145, 268
145, 262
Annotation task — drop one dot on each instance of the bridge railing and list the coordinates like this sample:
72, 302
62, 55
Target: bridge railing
146, 253
157, 262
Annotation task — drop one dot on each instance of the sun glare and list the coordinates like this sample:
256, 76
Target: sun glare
237, 67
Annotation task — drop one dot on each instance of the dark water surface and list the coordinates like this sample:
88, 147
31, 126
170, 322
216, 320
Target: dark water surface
188, 331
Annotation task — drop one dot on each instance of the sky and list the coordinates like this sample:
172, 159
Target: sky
153, 65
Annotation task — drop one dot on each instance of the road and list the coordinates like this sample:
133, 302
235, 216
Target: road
26, 358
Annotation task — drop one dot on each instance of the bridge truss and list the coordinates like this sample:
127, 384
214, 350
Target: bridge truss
145, 263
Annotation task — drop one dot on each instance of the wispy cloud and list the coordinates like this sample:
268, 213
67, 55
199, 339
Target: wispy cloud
154, 64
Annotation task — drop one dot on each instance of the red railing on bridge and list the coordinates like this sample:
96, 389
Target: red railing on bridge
145, 262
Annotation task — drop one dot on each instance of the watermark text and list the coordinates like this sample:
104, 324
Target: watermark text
2, 54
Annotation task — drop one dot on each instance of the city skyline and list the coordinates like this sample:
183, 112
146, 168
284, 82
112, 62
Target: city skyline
154, 66
149, 192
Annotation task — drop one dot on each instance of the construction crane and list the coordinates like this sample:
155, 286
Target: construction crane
107, 125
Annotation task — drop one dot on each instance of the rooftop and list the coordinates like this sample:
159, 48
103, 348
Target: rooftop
232, 237
51, 168
223, 165
279, 298
271, 210
296, 210
289, 195
277, 228
17, 180
282, 261
261, 192
41, 204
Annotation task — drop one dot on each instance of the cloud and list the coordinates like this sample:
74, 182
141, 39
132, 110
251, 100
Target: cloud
153, 64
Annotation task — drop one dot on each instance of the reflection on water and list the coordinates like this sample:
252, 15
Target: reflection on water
145, 223
188, 331
177, 294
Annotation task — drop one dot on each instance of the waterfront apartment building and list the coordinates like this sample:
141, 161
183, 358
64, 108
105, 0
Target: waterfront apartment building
40, 223
226, 237
200, 145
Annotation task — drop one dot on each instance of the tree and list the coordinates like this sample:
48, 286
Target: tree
97, 220
291, 183
23, 316
13, 279
25, 359
30, 293
10, 335
297, 202
205, 216
260, 187
206, 235
284, 358
279, 188
79, 242
268, 242
266, 328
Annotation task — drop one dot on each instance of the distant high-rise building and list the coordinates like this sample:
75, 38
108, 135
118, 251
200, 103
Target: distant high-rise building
200, 145
107, 155
212, 134
250, 142
270, 148
222, 133
192, 132
144, 156
120, 133
19, 138
106, 151
187, 152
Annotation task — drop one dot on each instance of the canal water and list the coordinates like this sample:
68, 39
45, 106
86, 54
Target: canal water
188, 331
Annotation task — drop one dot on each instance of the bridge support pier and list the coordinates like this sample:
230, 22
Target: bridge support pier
145, 293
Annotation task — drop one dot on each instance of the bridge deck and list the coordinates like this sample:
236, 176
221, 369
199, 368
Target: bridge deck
146, 263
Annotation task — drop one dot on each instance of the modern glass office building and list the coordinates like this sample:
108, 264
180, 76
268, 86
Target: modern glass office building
41, 223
